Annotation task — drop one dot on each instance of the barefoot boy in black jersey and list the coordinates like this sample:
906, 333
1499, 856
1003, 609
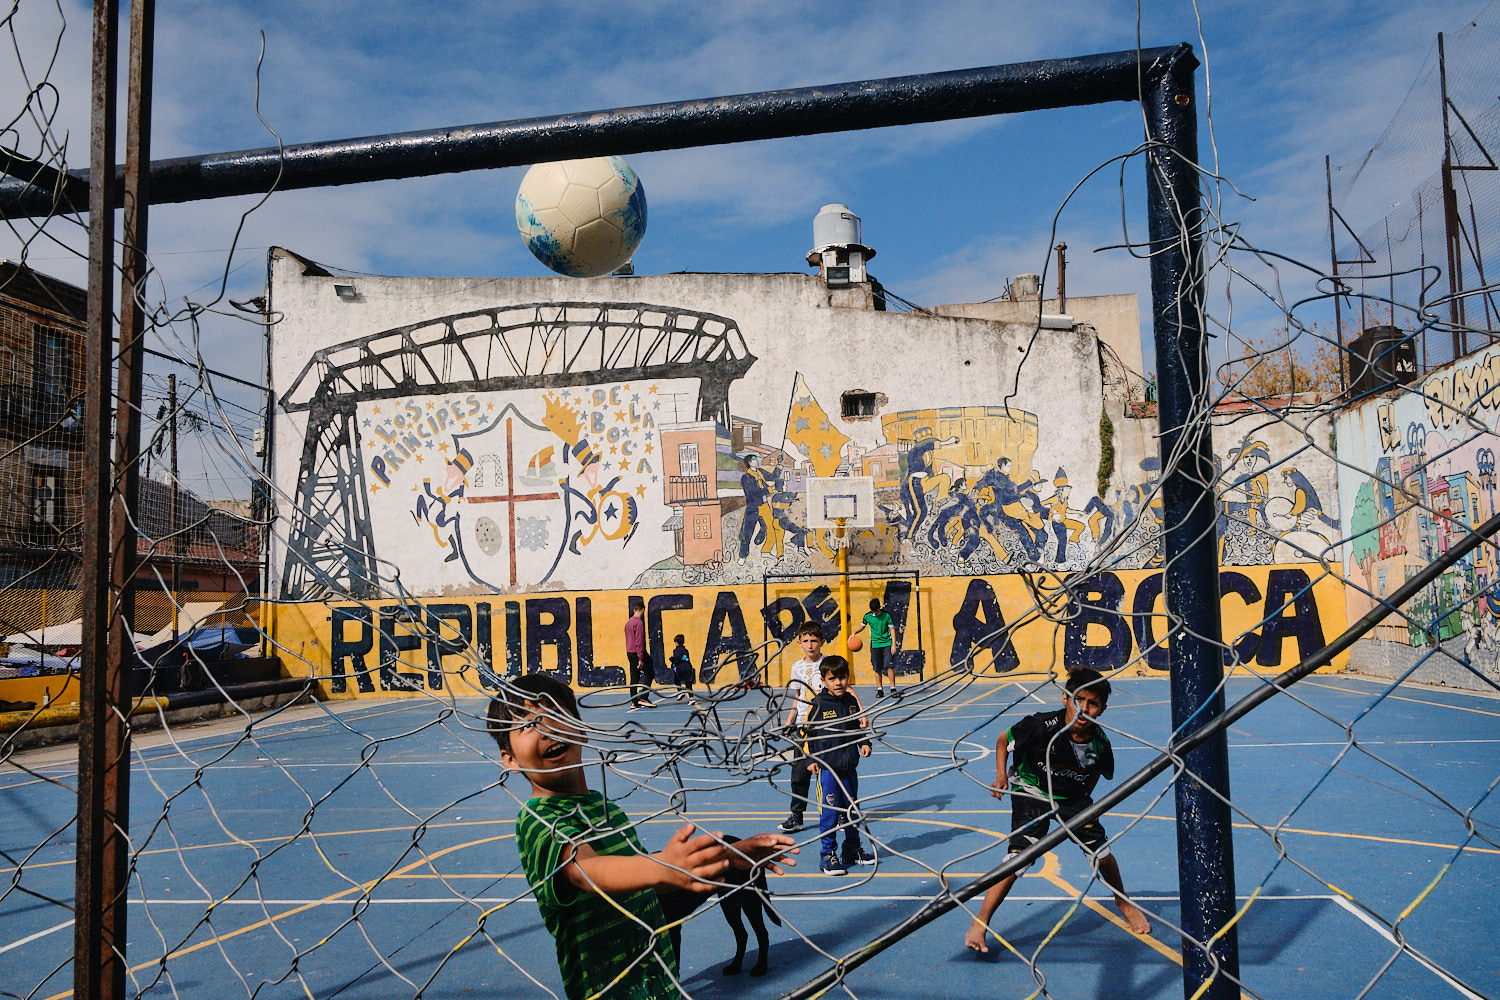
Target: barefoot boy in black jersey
1058, 759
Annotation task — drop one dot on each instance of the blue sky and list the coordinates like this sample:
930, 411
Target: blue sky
954, 209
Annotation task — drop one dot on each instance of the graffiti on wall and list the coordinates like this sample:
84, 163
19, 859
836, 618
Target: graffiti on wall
610, 445
1273, 616
1432, 454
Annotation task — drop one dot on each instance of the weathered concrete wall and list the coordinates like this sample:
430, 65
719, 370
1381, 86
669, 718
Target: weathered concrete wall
1116, 317
547, 433
556, 478
1278, 496
1417, 472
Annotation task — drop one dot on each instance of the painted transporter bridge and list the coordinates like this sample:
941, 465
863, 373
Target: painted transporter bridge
331, 546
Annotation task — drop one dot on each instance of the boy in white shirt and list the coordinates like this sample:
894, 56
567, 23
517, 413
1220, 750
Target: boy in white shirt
805, 683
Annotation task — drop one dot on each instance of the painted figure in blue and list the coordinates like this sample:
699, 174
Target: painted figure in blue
1307, 508
1102, 517
918, 471
957, 522
1014, 505
757, 494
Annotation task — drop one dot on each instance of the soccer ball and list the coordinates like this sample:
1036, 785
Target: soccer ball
582, 218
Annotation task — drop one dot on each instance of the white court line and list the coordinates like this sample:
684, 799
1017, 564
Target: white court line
33, 937
1380, 929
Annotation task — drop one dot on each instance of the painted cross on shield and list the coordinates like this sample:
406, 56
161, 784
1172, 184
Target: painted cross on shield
513, 528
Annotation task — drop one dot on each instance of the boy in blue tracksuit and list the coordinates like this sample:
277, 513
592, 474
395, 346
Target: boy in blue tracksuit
834, 748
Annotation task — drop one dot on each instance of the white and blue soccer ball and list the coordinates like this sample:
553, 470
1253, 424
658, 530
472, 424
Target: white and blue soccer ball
582, 218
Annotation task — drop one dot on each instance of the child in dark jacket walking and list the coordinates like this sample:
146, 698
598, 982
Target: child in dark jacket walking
834, 748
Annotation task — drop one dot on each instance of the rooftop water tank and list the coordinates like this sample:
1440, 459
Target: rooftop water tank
835, 225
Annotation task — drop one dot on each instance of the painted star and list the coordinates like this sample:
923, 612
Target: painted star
640, 491
650, 448
627, 386
652, 390
804, 401
463, 427
656, 406
635, 397
374, 487
614, 449
624, 466
418, 457
444, 446
823, 426
367, 421
490, 406
653, 479
375, 410
620, 416
648, 435
801, 423
825, 451
611, 510
429, 404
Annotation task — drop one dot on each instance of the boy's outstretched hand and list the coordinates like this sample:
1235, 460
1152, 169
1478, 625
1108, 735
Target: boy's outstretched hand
703, 859
693, 863
768, 847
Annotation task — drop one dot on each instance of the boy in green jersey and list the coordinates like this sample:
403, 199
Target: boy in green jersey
880, 624
607, 903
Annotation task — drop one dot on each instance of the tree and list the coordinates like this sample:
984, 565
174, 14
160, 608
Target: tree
1280, 365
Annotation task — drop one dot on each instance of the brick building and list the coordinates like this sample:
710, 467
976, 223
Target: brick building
41, 459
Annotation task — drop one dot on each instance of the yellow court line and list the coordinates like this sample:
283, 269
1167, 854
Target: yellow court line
1414, 701
214, 746
1051, 871
366, 887
877, 814
745, 815
282, 839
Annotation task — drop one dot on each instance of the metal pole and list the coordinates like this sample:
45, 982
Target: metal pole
843, 563
1205, 854
840, 107
103, 738
1456, 312
1062, 277
1333, 253
172, 502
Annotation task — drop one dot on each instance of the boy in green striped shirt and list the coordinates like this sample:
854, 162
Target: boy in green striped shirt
607, 903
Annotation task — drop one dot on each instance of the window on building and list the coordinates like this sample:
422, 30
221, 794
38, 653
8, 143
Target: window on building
702, 526
51, 373
859, 404
687, 459
46, 498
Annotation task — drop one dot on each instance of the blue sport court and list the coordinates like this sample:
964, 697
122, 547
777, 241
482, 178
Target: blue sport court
366, 850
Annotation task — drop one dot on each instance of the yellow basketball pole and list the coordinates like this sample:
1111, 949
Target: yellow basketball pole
842, 547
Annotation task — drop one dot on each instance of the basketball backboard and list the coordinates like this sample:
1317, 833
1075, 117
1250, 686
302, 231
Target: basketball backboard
849, 497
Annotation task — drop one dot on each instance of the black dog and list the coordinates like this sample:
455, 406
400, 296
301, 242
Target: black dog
743, 896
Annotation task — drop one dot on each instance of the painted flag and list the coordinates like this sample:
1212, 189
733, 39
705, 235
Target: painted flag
810, 430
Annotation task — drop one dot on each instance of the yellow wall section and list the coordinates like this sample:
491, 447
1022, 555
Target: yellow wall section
385, 647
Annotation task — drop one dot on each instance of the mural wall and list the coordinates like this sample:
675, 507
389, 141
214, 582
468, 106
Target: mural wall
1432, 455
449, 439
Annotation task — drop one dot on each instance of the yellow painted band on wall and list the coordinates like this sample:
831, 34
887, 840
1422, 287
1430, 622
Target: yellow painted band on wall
1273, 616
